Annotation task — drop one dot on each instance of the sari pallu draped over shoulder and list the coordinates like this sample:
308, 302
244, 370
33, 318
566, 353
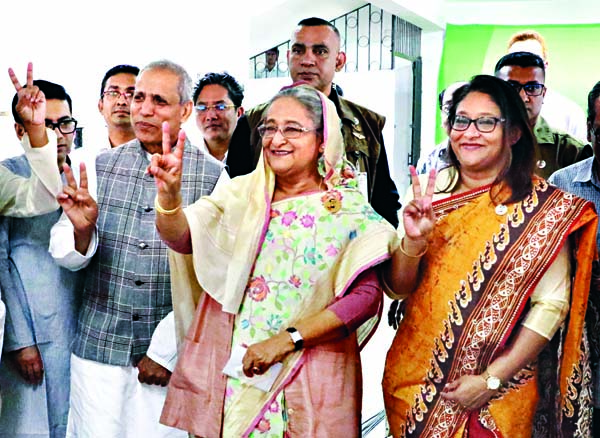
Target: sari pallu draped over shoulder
476, 280
228, 229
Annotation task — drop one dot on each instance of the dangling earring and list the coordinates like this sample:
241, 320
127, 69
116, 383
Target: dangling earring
321, 165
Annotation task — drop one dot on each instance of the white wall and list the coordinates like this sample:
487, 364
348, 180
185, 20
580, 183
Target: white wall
74, 45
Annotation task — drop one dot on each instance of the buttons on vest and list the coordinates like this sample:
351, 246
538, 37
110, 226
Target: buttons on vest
142, 245
147, 208
135, 317
138, 282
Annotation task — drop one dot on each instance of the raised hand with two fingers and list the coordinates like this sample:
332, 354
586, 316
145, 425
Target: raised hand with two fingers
166, 170
79, 206
418, 216
31, 107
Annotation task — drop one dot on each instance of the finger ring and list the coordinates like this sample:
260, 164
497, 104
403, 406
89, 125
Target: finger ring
256, 370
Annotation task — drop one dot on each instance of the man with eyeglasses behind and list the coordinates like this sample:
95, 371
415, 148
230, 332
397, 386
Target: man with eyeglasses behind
116, 91
218, 104
40, 297
555, 149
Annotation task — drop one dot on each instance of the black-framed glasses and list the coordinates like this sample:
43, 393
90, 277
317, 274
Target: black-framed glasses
115, 94
288, 131
483, 124
66, 126
535, 89
218, 107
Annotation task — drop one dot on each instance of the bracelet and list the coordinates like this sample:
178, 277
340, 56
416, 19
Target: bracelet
416, 256
162, 211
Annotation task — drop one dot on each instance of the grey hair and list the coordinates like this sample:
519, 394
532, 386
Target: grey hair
185, 86
309, 98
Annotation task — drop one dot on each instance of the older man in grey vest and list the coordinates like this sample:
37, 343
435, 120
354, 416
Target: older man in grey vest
116, 389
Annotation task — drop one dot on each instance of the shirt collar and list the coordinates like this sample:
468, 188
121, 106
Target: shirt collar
586, 172
344, 111
204, 148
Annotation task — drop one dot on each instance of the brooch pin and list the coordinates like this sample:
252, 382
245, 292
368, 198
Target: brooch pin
332, 201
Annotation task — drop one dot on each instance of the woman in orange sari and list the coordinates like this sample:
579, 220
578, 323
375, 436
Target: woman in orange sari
494, 268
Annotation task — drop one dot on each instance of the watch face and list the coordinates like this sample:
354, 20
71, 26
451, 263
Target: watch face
493, 383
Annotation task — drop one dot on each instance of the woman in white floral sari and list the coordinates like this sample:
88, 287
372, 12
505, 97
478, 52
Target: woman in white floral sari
284, 261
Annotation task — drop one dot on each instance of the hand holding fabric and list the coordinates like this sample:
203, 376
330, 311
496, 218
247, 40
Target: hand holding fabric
28, 362
260, 356
468, 391
166, 170
152, 373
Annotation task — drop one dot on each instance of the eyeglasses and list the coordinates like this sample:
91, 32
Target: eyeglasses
66, 126
483, 124
289, 131
218, 107
115, 94
530, 89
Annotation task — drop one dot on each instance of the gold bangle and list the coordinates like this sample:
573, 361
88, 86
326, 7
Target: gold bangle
416, 256
162, 211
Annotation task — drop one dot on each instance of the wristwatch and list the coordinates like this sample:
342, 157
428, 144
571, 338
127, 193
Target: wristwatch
296, 338
493, 383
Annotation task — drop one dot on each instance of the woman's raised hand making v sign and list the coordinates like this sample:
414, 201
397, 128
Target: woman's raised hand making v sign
418, 216
418, 220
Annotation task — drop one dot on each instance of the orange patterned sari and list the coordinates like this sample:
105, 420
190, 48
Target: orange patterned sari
476, 279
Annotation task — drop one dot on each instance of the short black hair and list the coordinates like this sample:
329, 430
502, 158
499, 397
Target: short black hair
520, 59
316, 21
121, 68
50, 90
225, 80
593, 95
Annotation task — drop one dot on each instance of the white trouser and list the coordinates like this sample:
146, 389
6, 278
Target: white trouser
108, 401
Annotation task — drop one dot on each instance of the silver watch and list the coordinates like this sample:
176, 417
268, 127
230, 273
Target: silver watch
493, 383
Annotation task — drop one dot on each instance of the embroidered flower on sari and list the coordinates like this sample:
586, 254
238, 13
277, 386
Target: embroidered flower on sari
258, 288
295, 281
307, 221
331, 250
274, 407
310, 255
288, 218
274, 322
263, 425
275, 213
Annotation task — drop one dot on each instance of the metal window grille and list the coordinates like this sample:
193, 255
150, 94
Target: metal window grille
370, 37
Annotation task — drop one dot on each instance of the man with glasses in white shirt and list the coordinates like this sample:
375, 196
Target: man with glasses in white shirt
525, 71
218, 105
116, 91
